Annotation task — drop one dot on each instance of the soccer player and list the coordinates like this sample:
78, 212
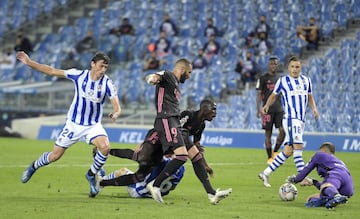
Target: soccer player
265, 86
150, 152
84, 115
337, 185
296, 93
139, 189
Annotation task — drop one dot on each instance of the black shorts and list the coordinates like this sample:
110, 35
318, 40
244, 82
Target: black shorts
270, 119
169, 131
188, 141
149, 154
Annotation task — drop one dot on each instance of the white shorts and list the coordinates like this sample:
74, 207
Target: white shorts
72, 133
293, 131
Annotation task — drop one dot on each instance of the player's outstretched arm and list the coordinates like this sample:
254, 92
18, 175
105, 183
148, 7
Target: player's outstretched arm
117, 108
313, 106
152, 79
46, 69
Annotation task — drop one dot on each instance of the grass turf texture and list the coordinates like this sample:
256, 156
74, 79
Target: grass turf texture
60, 190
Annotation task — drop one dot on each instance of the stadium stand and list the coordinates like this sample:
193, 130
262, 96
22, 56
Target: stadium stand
334, 69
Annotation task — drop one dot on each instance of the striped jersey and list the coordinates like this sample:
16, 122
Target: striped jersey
139, 190
87, 105
295, 95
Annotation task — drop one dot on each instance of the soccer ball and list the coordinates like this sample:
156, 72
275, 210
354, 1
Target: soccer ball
288, 192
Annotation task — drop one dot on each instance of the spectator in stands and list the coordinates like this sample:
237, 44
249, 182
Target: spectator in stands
211, 48
200, 61
247, 69
210, 29
263, 46
153, 63
87, 44
162, 45
70, 62
168, 26
23, 43
125, 28
7, 61
262, 27
310, 34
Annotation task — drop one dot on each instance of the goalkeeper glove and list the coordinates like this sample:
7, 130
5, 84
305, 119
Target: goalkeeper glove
291, 179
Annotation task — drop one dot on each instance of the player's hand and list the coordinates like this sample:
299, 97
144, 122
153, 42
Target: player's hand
114, 116
316, 114
210, 171
259, 114
291, 179
265, 109
22, 56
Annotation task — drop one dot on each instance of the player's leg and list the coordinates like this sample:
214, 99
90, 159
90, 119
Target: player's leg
329, 191
122, 153
198, 162
268, 145
281, 136
266, 121
97, 136
171, 139
69, 135
148, 157
45, 159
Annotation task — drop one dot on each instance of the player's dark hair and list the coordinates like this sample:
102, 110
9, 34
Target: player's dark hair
183, 61
330, 146
207, 103
273, 58
101, 56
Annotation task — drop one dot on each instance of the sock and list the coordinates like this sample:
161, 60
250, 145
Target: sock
278, 161
43, 160
268, 149
277, 147
123, 180
122, 153
316, 183
199, 169
99, 161
170, 169
298, 160
329, 192
109, 176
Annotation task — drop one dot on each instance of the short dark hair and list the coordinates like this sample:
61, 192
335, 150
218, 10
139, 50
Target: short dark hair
329, 146
101, 56
208, 103
273, 58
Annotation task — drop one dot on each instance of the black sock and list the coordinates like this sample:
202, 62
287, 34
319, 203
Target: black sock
122, 153
199, 169
170, 169
277, 147
123, 180
269, 152
90, 173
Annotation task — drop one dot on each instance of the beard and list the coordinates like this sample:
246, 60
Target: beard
182, 78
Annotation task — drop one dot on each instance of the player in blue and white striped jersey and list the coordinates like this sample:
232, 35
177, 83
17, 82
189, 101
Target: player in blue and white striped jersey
139, 190
296, 92
84, 115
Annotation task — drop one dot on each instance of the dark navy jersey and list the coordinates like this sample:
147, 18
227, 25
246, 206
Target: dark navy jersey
167, 96
190, 120
266, 84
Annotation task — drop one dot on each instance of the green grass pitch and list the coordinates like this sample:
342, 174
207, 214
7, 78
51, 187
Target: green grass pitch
60, 190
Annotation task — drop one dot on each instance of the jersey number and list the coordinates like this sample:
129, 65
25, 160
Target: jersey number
67, 134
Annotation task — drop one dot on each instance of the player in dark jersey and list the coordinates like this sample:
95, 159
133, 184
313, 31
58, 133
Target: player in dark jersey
337, 185
265, 86
167, 122
150, 152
